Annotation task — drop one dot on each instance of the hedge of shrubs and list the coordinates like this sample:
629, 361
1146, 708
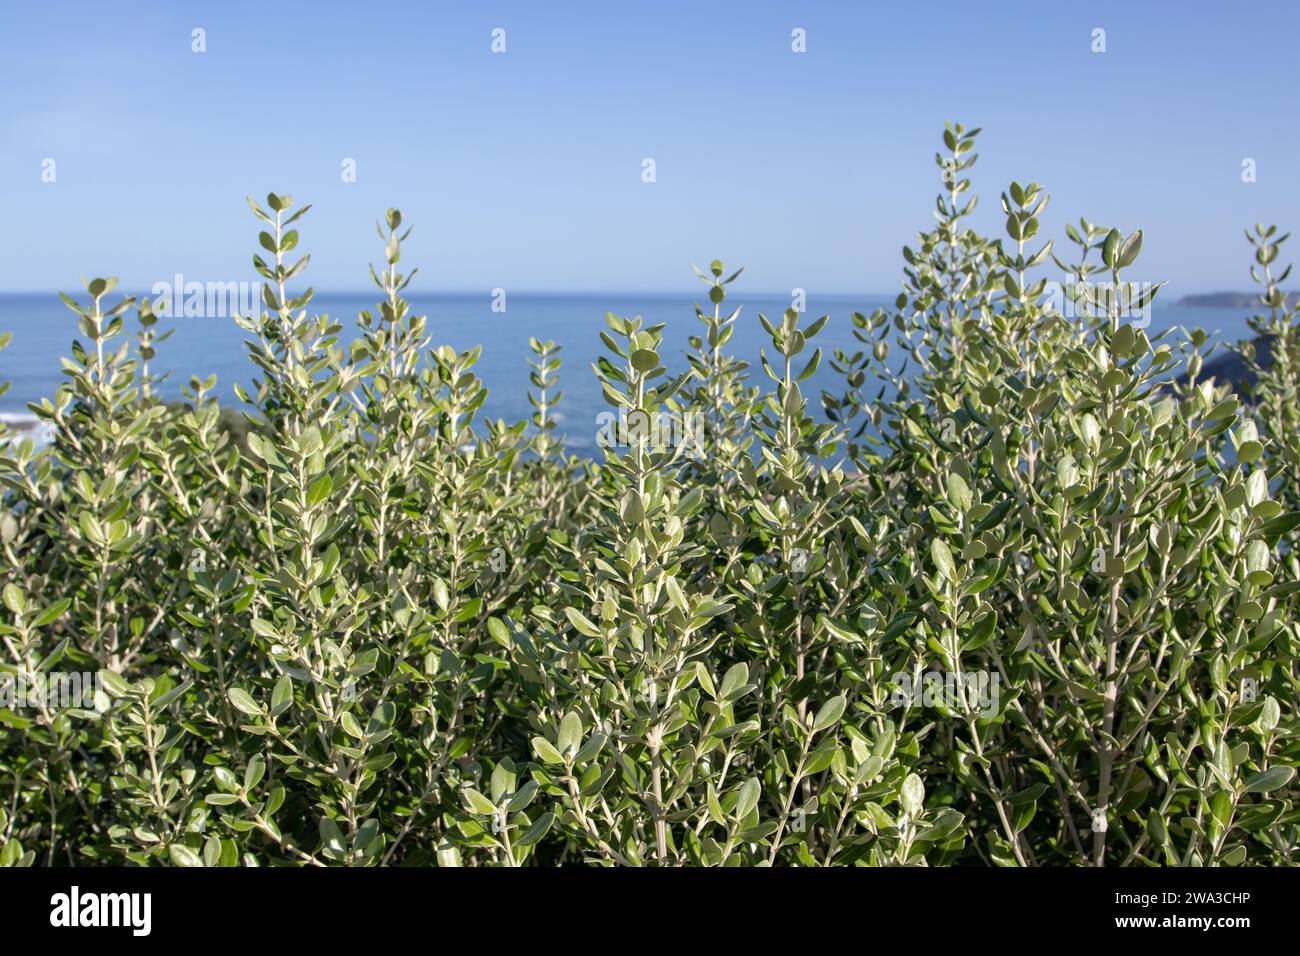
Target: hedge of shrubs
1021, 592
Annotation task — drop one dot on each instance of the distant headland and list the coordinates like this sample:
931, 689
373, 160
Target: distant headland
1228, 300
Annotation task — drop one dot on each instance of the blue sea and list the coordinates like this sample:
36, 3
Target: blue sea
43, 328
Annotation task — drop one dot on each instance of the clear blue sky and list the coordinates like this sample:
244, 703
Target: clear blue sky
523, 169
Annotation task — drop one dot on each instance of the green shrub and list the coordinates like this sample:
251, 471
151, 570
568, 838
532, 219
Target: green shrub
1026, 598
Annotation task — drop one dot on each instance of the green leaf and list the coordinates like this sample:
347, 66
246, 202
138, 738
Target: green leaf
448, 856
570, 733
676, 594
14, 598
1221, 807
212, 851
736, 677
440, 594
715, 807
942, 556
1222, 764
747, 798
477, 803
319, 490
912, 795
705, 679
959, 493
51, 613
243, 702
350, 725
182, 855
1110, 248
331, 838
282, 696
165, 699
830, 713
254, 772
1269, 780
546, 751
503, 780
643, 360
114, 683
1269, 715
595, 743
535, 832
499, 631
1128, 252
580, 623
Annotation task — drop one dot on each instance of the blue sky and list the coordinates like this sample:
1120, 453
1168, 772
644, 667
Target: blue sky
523, 170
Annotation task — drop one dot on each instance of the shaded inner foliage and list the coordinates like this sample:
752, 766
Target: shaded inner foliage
362, 625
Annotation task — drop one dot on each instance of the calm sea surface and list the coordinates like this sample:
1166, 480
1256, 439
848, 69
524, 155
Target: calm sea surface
43, 328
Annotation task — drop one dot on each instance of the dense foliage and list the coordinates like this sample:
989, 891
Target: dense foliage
1025, 597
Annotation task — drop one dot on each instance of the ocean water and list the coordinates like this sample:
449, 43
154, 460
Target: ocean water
43, 328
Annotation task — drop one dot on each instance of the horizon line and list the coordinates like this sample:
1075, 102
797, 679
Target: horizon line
677, 293
591, 293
